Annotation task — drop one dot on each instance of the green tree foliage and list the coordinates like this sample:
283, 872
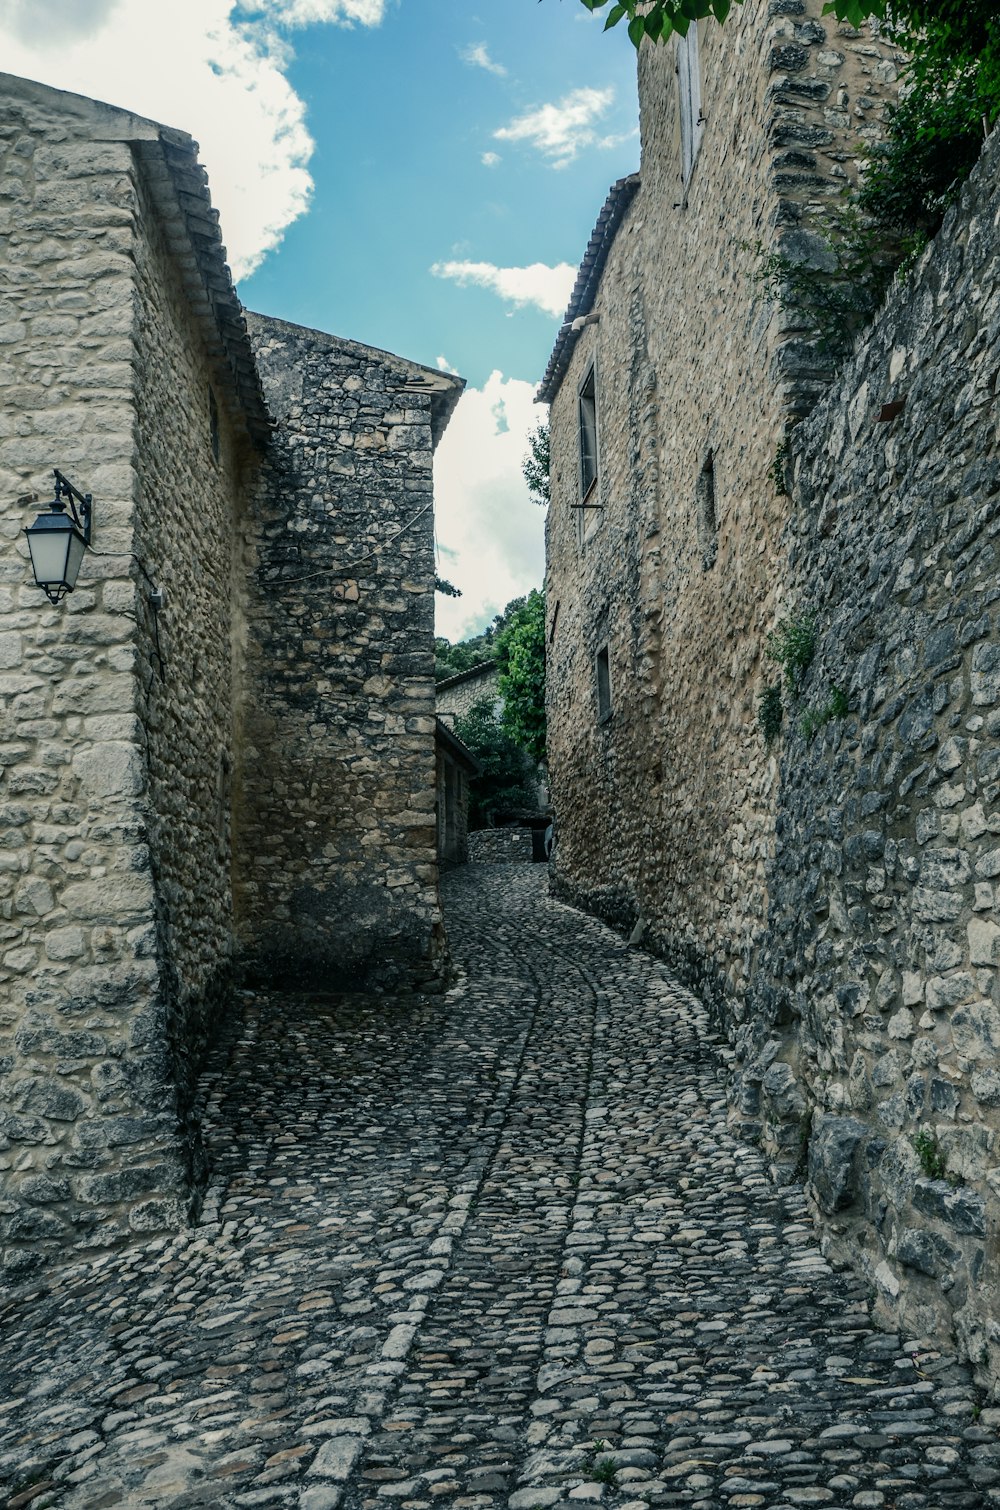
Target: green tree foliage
502, 788
535, 466
520, 653
662, 19
450, 659
951, 86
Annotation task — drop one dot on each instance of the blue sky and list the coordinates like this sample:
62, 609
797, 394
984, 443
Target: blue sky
401, 123
421, 175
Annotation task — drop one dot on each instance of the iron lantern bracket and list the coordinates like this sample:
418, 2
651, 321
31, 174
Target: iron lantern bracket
81, 505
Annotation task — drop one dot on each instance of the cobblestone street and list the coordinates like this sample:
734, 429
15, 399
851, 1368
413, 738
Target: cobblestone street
493, 1248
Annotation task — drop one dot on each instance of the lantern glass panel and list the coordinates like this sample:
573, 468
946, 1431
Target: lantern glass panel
57, 550
74, 559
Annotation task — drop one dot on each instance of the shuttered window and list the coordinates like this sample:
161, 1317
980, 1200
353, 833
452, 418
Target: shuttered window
588, 433
689, 94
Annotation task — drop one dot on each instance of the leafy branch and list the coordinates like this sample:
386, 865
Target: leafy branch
663, 18
536, 465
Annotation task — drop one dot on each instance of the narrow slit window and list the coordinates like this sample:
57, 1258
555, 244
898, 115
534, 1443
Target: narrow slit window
588, 433
603, 668
689, 95
708, 529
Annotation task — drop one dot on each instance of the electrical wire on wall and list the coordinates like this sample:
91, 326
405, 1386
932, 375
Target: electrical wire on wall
348, 566
155, 597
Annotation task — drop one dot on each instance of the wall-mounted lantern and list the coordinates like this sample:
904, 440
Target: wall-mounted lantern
57, 540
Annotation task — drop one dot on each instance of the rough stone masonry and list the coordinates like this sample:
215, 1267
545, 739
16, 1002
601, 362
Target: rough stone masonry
876, 1008
243, 778
835, 895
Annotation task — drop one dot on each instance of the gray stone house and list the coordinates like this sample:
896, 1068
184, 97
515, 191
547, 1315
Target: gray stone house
217, 755
456, 695
832, 894
456, 766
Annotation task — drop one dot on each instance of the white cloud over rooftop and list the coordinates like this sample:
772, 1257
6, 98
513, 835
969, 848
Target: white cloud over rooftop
538, 285
208, 66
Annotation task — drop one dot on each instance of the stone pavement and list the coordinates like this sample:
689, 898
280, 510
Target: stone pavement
491, 1249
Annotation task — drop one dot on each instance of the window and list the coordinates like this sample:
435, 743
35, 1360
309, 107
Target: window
602, 665
213, 425
707, 522
689, 94
588, 433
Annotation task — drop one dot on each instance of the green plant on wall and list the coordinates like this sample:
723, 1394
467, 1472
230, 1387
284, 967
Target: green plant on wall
930, 1154
792, 644
833, 289
779, 468
770, 712
814, 718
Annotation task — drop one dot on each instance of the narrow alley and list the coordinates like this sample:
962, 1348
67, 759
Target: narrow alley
495, 1248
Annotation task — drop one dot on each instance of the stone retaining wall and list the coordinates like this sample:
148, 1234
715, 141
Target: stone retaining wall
500, 846
874, 1023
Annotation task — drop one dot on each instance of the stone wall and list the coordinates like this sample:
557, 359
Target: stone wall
457, 695
80, 983
194, 470
875, 1025
500, 846
666, 807
836, 895
337, 871
125, 777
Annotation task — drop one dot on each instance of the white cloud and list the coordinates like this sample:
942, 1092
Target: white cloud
547, 288
490, 159
445, 366
559, 132
477, 56
308, 12
491, 535
206, 66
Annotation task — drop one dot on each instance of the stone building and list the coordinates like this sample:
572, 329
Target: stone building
664, 563
833, 895
456, 766
217, 754
455, 696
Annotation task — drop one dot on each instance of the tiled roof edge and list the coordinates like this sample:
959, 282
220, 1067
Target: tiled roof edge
480, 669
455, 747
216, 301
581, 302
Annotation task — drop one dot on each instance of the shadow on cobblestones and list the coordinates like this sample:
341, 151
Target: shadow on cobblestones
494, 1247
